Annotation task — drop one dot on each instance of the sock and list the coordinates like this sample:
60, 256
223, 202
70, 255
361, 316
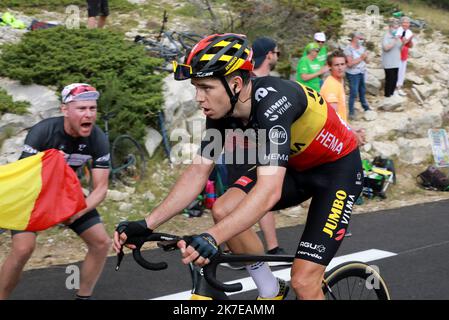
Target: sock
78, 297
273, 251
266, 282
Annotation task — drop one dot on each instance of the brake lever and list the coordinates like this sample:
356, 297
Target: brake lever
120, 256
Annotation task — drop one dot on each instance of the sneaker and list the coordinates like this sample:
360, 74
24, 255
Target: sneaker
401, 92
278, 251
282, 293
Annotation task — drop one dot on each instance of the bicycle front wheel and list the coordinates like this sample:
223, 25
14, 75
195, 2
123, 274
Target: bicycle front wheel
355, 281
128, 160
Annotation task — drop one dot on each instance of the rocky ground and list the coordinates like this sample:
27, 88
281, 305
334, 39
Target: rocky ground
396, 129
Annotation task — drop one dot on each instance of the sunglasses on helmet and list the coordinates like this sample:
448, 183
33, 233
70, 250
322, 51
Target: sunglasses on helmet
182, 71
80, 89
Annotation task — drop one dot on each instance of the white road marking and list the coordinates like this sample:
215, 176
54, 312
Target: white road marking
248, 283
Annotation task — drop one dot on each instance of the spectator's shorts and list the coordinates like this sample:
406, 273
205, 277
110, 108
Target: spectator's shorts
80, 225
97, 8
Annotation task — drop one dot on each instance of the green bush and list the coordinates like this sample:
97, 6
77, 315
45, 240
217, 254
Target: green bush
291, 23
8, 105
385, 7
58, 56
437, 3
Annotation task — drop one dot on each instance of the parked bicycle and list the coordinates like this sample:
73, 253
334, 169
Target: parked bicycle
349, 281
127, 163
168, 45
171, 46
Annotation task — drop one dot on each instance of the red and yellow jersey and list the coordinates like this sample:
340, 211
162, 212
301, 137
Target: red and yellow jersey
319, 135
290, 125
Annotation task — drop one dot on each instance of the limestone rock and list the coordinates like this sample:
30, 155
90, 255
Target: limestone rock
152, 140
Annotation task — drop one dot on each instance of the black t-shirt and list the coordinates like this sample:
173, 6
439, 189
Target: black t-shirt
50, 134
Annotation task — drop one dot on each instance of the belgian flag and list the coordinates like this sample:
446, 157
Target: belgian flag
38, 192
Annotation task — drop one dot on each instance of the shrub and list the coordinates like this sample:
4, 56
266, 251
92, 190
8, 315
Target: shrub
8, 105
291, 23
385, 7
58, 56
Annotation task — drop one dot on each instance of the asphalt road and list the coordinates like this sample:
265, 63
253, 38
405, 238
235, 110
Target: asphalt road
417, 238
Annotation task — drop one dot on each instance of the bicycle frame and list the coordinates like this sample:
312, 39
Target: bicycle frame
131, 158
205, 285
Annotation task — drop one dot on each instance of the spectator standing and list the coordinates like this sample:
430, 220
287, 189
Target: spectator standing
406, 36
97, 8
309, 68
333, 90
391, 56
320, 39
266, 55
356, 56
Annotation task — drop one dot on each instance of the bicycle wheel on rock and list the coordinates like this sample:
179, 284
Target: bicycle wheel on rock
354, 281
128, 160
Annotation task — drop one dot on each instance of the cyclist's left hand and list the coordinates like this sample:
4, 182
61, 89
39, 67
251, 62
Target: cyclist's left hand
200, 249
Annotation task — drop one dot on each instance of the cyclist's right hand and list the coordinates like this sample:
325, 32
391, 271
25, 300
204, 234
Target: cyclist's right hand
137, 230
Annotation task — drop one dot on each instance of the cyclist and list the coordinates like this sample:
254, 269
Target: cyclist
307, 152
76, 135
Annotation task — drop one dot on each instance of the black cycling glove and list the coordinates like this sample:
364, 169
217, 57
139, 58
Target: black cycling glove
205, 244
136, 231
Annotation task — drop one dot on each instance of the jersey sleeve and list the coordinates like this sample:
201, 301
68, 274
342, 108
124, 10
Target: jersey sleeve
213, 140
275, 115
34, 141
100, 146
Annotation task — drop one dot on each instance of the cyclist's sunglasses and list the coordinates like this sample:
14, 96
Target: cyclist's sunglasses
80, 89
182, 71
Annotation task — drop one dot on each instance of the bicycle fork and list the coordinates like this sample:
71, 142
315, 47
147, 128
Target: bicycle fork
201, 290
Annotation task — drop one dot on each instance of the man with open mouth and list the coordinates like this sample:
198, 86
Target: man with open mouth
80, 140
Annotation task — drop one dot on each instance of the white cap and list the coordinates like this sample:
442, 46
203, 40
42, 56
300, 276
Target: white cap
320, 36
86, 92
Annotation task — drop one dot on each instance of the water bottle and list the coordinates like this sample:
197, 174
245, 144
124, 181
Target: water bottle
210, 195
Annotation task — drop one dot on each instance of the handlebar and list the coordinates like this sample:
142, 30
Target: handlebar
169, 242
139, 241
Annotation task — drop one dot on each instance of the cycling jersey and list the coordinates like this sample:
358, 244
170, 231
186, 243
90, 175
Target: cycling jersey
49, 133
292, 126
